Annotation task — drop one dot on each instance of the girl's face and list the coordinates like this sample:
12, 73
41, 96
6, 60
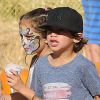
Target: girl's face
59, 40
30, 38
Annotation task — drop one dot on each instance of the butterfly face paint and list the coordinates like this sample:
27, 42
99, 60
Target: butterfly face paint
30, 40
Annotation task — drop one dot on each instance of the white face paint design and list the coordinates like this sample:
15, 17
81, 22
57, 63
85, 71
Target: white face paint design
30, 40
24, 31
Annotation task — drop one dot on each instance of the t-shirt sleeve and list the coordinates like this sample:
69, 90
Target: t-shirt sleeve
36, 84
90, 79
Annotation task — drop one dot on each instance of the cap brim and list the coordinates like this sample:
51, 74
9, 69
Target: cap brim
48, 26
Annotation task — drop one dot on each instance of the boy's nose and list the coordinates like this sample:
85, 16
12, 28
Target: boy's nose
53, 34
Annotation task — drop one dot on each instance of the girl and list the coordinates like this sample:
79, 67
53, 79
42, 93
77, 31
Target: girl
34, 42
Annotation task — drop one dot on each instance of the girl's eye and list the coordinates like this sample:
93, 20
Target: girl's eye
29, 37
21, 35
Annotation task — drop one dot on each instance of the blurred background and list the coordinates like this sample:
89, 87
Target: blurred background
11, 50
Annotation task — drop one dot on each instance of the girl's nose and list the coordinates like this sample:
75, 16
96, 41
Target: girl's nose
24, 41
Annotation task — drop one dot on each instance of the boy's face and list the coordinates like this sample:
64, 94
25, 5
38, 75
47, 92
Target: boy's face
29, 37
59, 40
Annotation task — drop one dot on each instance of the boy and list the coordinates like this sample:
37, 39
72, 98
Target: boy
65, 74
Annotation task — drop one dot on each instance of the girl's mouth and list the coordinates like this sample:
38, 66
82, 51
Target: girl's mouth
26, 49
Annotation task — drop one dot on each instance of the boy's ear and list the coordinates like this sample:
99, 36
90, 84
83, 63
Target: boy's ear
78, 38
75, 40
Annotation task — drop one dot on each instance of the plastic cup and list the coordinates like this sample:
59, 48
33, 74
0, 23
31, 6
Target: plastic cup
14, 67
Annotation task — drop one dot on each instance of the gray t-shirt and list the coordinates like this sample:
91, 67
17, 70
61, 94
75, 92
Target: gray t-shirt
76, 80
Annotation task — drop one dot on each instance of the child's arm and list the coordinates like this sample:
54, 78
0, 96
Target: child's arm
30, 94
15, 82
91, 80
97, 98
26, 91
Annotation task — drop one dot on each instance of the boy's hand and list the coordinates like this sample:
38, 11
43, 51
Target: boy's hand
14, 80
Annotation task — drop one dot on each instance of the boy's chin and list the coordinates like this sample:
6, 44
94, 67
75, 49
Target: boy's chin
54, 49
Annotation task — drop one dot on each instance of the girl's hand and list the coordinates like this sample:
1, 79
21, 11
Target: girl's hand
14, 80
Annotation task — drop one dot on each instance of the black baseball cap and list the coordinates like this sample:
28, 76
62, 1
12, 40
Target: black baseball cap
64, 18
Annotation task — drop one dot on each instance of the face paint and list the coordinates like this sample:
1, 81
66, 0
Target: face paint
30, 40
24, 31
31, 45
